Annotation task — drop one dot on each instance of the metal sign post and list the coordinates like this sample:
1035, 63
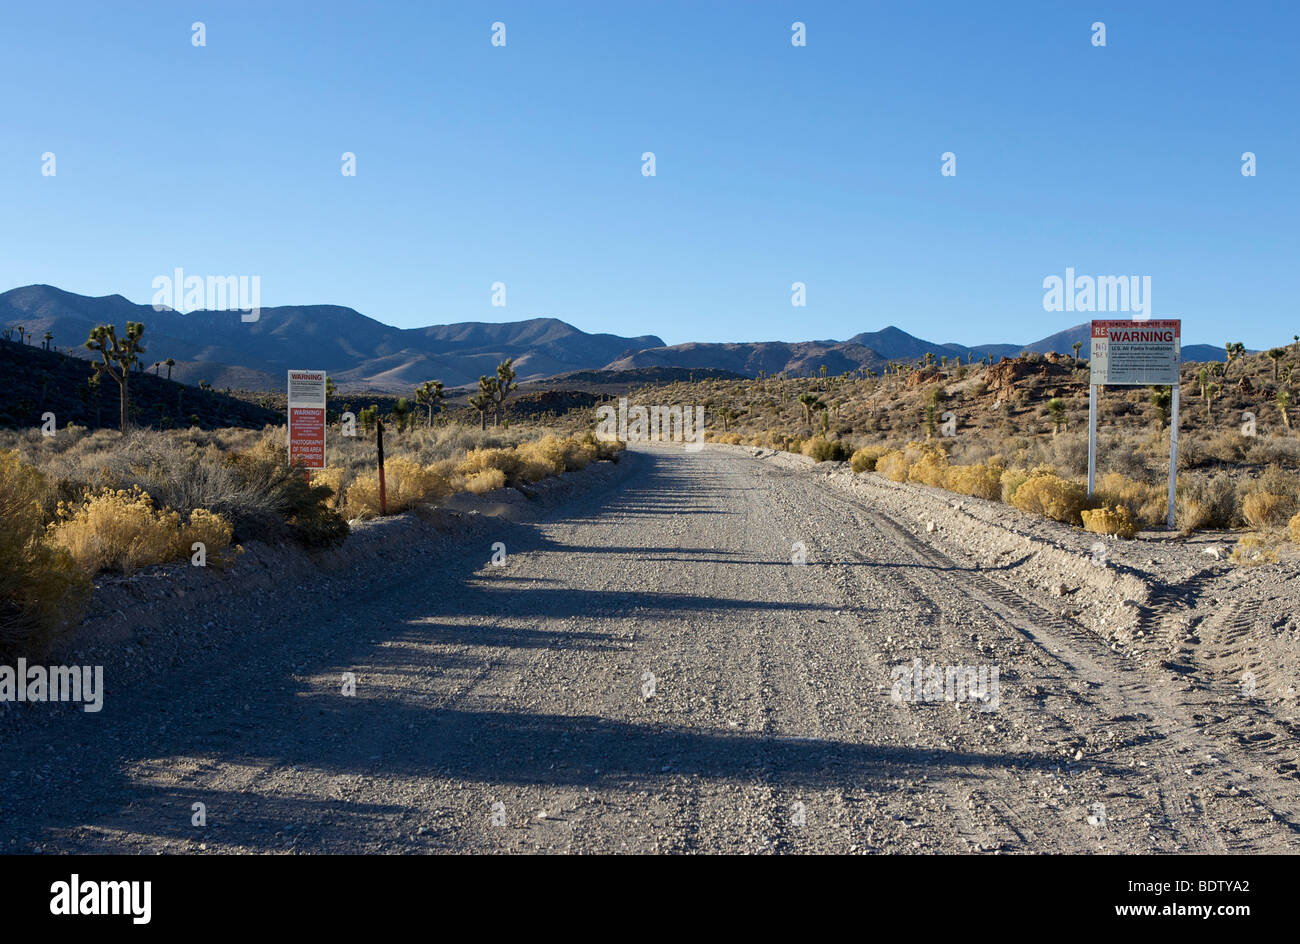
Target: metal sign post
1173, 455
1136, 354
1092, 439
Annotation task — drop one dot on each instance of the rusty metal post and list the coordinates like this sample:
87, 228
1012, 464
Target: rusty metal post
383, 493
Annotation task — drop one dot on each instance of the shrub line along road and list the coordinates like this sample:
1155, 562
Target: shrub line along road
506, 709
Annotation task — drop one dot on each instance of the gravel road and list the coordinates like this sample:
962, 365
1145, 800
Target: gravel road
649, 670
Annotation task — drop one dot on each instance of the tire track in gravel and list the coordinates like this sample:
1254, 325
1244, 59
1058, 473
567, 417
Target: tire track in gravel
504, 709
1125, 692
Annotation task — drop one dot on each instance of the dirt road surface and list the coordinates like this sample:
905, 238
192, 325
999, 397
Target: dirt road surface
650, 670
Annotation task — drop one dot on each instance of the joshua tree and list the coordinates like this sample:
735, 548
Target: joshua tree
1056, 409
505, 384
1203, 380
1284, 401
118, 357
1076, 345
1276, 354
402, 413
483, 400
45, 341
1162, 399
1234, 350
430, 395
170, 364
810, 403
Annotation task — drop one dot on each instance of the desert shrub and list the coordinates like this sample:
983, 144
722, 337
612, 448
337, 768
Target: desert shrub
331, 478
1047, 494
1227, 446
1207, 502
1266, 509
406, 484
1011, 480
552, 455
213, 532
930, 468
1252, 551
1126, 459
864, 460
1145, 503
39, 583
894, 465
485, 481
979, 480
1069, 453
1293, 528
1281, 450
508, 461
279, 501
1115, 520
827, 450
182, 474
1279, 481
119, 529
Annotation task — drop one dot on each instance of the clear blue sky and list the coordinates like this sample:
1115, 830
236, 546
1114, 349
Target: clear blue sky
775, 164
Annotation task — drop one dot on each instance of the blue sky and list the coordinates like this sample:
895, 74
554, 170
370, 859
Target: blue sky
775, 164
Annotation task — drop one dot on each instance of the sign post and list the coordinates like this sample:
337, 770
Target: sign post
1135, 354
307, 418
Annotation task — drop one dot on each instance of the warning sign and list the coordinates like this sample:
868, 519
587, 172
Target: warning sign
307, 418
1136, 353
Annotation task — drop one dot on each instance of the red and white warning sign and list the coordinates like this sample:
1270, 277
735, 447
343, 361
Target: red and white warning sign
1136, 353
307, 418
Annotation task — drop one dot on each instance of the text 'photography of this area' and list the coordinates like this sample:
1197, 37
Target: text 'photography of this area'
669, 428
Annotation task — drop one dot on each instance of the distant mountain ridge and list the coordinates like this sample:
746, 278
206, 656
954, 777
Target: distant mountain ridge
363, 353
871, 349
358, 351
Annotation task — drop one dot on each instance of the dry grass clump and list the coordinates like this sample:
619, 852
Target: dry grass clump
480, 483
1266, 509
39, 583
930, 469
865, 459
1207, 502
119, 529
1293, 528
896, 465
1252, 551
550, 455
979, 479
1146, 504
406, 484
1047, 494
827, 450
1115, 520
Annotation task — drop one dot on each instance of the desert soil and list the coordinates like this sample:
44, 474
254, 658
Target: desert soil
650, 671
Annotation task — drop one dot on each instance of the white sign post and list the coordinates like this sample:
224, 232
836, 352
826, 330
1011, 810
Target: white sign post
1135, 354
307, 418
